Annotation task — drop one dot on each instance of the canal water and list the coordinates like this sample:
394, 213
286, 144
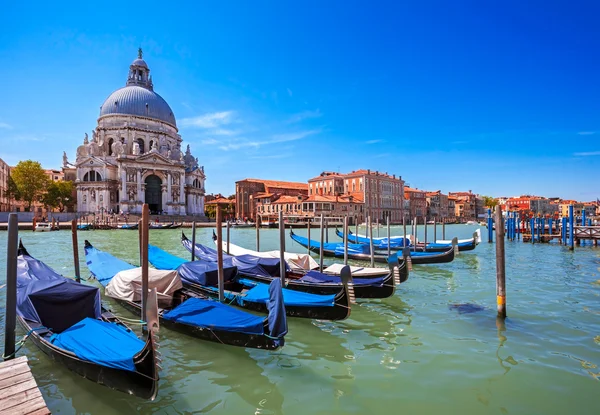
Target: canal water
435, 347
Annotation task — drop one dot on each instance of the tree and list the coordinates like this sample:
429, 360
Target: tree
59, 195
11, 191
231, 197
30, 181
490, 202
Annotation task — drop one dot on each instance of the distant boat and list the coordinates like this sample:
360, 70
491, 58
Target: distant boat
43, 227
471, 222
84, 227
128, 226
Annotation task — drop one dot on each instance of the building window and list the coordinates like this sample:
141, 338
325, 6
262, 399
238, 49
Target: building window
92, 176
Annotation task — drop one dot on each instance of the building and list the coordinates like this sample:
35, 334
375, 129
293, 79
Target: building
417, 202
248, 192
451, 214
227, 206
4, 176
135, 157
382, 194
437, 207
466, 206
534, 205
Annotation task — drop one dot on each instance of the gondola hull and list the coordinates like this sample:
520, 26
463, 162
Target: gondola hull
339, 311
143, 383
440, 258
218, 336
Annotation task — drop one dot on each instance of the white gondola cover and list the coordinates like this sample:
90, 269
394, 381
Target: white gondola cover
127, 285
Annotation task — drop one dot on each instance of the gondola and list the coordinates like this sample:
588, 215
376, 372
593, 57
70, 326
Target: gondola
175, 226
160, 226
127, 226
250, 294
84, 227
397, 243
361, 252
463, 245
66, 320
313, 282
192, 313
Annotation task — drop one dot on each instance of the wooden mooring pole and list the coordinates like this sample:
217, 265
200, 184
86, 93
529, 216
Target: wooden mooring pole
10, 321
500, 265
220, 277
346, 240
404, 230
372, 251
490, 226
228, 228
281, 248
144, 264
321, 244
258, 233
75, 250
388, 236
194, 238
308, 236
571, 229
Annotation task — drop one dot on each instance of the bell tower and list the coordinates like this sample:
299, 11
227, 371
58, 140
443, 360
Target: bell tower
139, 73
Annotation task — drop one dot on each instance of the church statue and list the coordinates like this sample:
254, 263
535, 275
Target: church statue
169, 154
136, 149
65, 160
93, 195
117, 148
93, 148
85, 140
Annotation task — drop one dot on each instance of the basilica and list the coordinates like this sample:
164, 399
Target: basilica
134, 155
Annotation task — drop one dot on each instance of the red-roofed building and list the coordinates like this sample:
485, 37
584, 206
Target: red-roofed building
437, 207
247, 191
417, 200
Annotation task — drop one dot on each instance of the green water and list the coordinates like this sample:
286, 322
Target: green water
408, 354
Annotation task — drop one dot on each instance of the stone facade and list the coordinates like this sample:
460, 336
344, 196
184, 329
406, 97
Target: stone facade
248, 192
4, 175
135, 157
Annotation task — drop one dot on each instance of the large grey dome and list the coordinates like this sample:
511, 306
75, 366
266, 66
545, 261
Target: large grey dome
137, 100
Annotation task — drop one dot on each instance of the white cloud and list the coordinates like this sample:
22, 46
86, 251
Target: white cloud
277, 138
304, 115
272, 156
289, 91
586, 132
373, 141
210, 120
209, 141
587, 153
5, 125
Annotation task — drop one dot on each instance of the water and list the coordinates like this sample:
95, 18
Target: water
435, 347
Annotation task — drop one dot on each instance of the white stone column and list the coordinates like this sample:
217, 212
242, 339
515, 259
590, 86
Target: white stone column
141, 197
165, 197
182, 194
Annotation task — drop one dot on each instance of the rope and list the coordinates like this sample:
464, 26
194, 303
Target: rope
21, 342
131, 320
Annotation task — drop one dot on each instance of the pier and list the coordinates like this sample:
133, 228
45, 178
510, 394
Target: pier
19, 393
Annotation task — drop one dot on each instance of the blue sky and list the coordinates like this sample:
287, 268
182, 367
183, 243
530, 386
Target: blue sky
498, 97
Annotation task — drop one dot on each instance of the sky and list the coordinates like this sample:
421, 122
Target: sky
501, 98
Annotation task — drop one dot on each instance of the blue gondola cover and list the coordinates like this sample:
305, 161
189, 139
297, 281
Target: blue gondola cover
259, 293
214, 315
97, 341
319, 278
277, 319
104, 266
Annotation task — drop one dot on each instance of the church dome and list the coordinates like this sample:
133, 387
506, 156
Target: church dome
140, 101
140, 62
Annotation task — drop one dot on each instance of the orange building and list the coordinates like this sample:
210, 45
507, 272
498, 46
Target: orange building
249, 191
417, 203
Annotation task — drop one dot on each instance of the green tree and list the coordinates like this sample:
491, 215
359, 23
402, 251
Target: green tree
231, 197
11, 191
30, 181
59, 195
490, 202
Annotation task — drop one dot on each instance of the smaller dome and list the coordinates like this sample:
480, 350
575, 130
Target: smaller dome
139, 62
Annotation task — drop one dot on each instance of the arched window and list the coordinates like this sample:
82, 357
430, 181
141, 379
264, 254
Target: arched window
110, 143
140, 142
92, 176
150, 146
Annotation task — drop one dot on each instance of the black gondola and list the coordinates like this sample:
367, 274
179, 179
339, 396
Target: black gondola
416, 257
318, 283
36, 280
104, 266
336, 309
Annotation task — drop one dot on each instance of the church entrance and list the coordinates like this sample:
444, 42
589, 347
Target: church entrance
154, 194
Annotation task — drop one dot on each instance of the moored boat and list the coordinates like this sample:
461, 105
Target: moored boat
362, 252
189, 312
67, 321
